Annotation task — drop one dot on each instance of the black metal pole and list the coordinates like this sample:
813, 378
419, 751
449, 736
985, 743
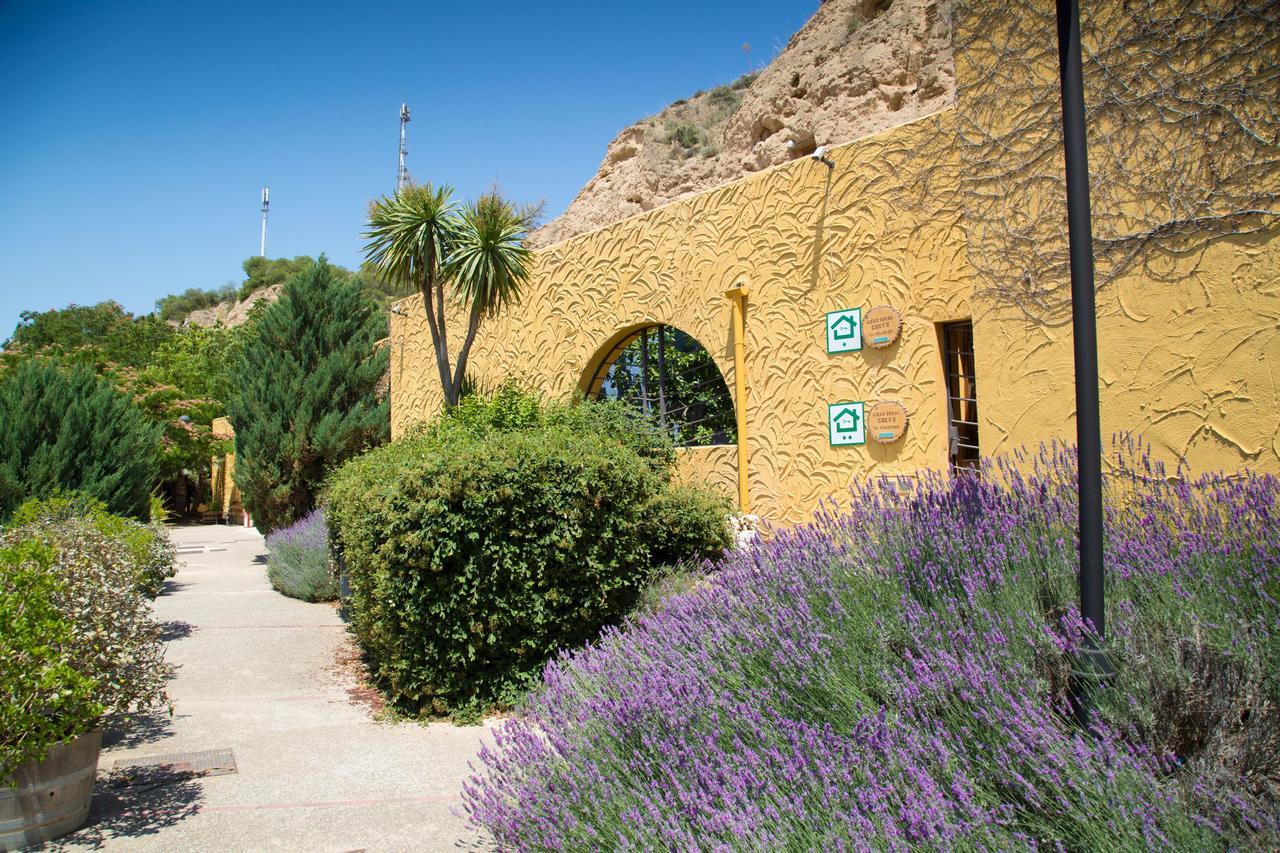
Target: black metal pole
1092, 668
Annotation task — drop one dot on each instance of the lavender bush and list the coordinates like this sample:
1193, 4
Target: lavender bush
298, 559
894, 677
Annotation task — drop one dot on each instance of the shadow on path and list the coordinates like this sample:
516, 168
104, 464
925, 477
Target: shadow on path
137, 729
143, 804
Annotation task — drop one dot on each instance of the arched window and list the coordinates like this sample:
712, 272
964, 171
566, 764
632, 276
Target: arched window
669, 375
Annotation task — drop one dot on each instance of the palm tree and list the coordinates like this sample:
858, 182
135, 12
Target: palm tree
477, 251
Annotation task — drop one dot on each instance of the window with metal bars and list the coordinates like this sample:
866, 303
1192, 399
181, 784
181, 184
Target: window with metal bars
667, 374
962, 394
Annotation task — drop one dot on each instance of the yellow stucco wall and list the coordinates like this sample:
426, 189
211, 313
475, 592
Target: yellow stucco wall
1189, 342
1189, 337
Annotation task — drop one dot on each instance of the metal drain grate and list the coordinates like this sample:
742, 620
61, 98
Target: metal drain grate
174, 767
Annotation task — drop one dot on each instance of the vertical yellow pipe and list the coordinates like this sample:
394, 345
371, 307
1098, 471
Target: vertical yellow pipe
738, 296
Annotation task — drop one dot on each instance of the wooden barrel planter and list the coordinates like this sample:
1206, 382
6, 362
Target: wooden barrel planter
52, 796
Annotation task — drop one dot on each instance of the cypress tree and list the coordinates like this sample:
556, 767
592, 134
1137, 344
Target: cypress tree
71, 430
305, 393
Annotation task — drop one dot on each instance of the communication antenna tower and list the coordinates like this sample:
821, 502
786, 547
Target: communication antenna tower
402, 176
266, 205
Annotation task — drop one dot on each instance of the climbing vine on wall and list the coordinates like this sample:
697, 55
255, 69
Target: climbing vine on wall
1183, 116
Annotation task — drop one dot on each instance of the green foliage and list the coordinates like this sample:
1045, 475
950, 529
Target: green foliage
685, 135
175, 308
687, 522
504, 531
95, 335
72, 430
178, 378
150, 551
114, 642
44, 700
476, 254
305, 393
745, 80
382, 289
185, 387
260, 272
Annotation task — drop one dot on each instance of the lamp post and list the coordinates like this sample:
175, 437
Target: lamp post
1092, 669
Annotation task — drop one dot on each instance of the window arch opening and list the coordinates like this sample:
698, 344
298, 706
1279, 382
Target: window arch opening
665, 373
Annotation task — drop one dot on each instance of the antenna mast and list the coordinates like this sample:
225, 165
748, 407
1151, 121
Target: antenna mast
266, 205
402, 176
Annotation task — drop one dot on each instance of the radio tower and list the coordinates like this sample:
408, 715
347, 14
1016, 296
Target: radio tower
402, 176
266, 205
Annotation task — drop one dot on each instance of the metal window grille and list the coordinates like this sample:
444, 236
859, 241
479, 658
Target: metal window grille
962, 394
669, 376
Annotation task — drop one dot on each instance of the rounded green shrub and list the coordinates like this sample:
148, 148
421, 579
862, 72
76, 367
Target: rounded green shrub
151, 554
44, 699
482, 544
115, 642
72, 430
686, 522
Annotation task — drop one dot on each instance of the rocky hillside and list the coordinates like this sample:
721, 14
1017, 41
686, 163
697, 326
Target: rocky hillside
857, 67
233, 312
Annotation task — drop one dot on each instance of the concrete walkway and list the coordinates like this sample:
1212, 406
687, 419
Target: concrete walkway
257, 675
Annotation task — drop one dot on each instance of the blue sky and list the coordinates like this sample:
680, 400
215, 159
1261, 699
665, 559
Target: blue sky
136, 136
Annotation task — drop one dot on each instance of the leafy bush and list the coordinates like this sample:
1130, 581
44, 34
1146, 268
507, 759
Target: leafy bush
44, 700
72, 430
150, 552
685, 135
306, 393
686, 522
175, 307
500, 533
298, 562
115, 642
895, 677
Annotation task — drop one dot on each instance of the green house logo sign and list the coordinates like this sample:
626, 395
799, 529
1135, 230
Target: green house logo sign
847, 423
844, 330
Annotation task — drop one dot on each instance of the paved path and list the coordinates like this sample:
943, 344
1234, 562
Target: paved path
256, 674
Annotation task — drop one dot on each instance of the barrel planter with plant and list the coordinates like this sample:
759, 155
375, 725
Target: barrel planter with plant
80, 646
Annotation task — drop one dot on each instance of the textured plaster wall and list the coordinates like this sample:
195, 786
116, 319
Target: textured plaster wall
804, 241
1188, 339
1190, 362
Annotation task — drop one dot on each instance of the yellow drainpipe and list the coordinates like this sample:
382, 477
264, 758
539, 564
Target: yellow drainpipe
738, 296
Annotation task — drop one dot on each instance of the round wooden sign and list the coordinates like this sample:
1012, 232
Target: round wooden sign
881, 326
886, 421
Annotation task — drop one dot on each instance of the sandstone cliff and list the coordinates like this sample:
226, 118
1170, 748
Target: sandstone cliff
857, 67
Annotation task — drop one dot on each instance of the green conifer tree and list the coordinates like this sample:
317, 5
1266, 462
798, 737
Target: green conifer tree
305, 393
71, 430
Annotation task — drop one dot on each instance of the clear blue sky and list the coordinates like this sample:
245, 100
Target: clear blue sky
136, 136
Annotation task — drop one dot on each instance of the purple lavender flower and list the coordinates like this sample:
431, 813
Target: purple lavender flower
894, 676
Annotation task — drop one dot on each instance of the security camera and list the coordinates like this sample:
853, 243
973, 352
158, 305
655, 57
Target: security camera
820, 154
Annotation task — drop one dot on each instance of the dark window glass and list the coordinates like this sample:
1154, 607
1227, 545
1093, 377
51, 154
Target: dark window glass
962, 394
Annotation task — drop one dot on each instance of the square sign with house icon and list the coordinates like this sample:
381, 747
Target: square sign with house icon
847, 423
844, 330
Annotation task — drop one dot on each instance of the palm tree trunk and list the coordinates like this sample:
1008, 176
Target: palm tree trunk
436, 326
460, 373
